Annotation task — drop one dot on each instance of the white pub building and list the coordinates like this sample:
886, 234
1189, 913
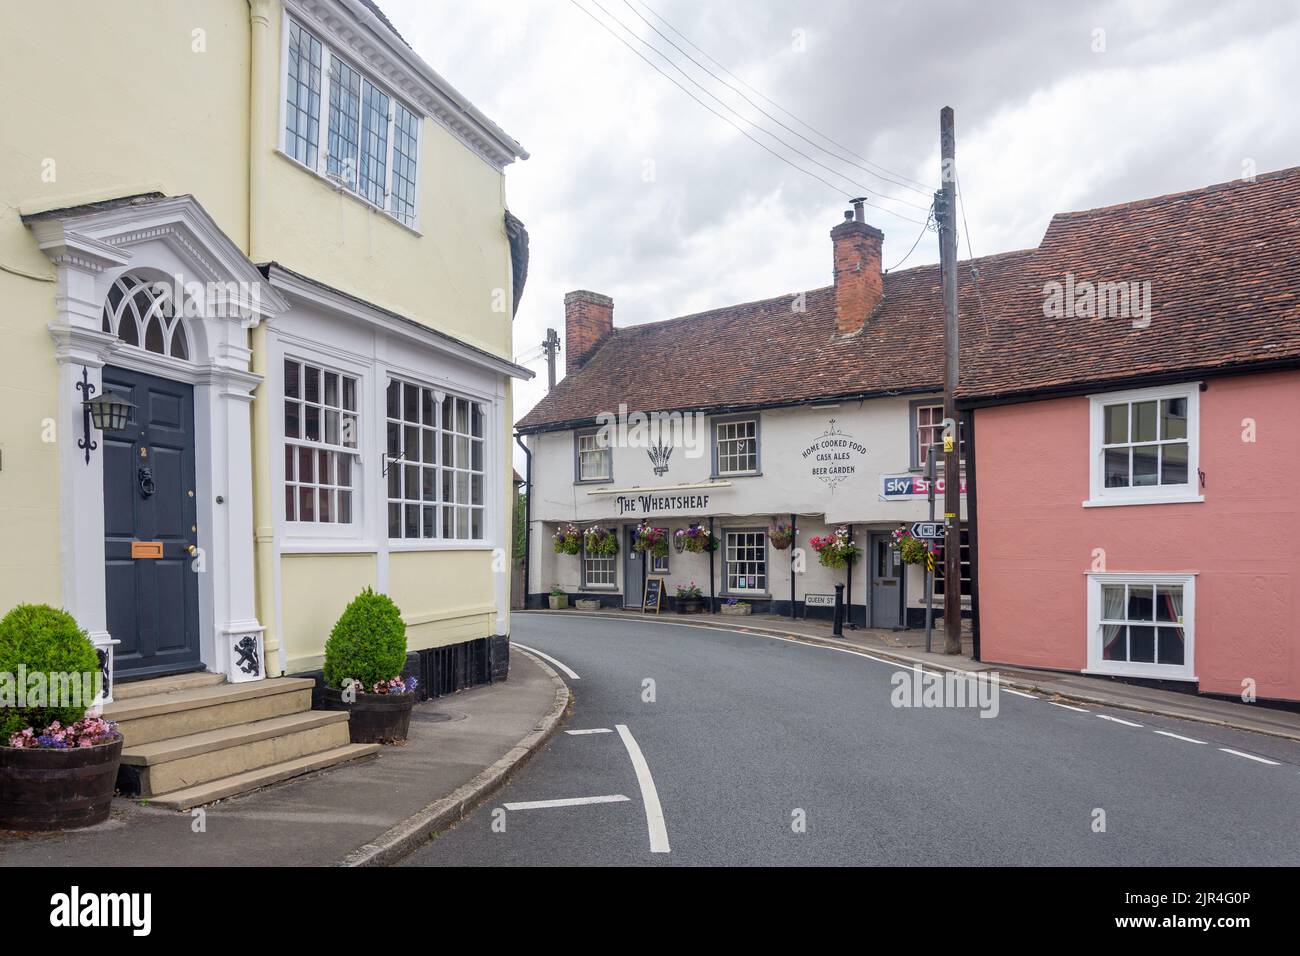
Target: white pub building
805, 413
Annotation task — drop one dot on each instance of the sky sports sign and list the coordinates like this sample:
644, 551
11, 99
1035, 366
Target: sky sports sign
901, 487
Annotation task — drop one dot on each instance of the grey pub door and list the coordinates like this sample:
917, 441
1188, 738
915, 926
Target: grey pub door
150, 528
886, 583
633, 569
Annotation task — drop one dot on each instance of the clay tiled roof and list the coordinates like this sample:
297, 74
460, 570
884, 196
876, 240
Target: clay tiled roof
1224, 268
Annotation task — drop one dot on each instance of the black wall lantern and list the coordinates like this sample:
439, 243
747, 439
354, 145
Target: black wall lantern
107, 412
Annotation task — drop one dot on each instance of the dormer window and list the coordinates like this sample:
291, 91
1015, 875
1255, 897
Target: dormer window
371, 140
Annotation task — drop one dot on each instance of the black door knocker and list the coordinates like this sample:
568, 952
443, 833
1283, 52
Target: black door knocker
146, 482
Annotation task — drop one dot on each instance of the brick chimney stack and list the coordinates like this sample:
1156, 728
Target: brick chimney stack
859, 282
588, 318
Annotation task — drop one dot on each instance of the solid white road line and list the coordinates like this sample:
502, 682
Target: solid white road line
1190, 740
654, 813
1068, 707
1116, 720
566, 802
593, 730
1019, 693
1238, 753
546, 657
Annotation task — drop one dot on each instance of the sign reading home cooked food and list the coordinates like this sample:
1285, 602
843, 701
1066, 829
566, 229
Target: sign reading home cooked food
834, 456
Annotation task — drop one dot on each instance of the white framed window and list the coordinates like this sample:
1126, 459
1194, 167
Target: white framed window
1144, 446
371, 140
927, 428
745, 561
435, 462
1142, 625
320, 444
594, 458
599, 570
659, 562
735, 446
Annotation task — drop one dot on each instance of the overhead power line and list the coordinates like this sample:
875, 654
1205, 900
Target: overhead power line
924, 229
875, 169
765, 113
727, 119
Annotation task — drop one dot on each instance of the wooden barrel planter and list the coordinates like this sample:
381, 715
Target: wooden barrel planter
690, 605
374, 718
47, 789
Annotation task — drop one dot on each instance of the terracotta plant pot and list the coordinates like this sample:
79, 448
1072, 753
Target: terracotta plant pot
374, 718
44, 789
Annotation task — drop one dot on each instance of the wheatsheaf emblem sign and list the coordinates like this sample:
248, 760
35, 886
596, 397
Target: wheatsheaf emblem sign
834, 456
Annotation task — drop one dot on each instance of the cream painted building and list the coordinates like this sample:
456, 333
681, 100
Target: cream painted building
322, 399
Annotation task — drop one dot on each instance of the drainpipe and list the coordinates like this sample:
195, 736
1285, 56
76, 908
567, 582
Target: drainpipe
528, 508
793, 543
713, 598
263, 88
848, 597
972, 532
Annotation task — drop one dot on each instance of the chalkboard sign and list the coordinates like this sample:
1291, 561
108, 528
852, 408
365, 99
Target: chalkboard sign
654, 592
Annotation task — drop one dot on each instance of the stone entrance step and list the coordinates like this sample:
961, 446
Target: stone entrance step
193, 739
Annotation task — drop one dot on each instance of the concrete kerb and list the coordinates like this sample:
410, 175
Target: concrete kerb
402, 838
1023, 682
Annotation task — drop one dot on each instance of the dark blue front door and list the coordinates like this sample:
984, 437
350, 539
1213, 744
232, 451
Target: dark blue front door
153, 602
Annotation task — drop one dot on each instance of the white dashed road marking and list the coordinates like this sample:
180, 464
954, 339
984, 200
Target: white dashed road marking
1190, 740
1079, 710
593, 730
546, 657
1238, 753
566, 802
1126, 723
1019, 693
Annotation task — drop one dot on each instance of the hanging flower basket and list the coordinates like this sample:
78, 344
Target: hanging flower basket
910, 550
780, 536
651, 540
600, 540
695, 539
568, 540
835, 550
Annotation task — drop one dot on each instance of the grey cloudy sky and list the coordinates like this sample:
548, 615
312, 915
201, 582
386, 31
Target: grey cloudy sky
638, 192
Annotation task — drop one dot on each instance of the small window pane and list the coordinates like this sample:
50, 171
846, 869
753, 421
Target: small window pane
292, 420
1144, 421
1173, 418
1170, 649
1142, 644
1140, 604
1116, 424
1146, 458
1117, 467
1173, 464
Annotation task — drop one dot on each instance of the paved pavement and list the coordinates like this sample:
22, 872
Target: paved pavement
744, 736
320, 818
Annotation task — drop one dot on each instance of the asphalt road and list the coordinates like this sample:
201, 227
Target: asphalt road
744, 736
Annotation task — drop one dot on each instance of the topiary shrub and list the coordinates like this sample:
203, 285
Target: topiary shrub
36, 639
367, 644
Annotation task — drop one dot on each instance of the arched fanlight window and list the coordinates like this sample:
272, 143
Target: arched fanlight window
141, 312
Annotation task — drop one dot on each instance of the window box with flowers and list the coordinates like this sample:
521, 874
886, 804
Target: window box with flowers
835, 550
690, 599
653, 541
568, 539
733, 607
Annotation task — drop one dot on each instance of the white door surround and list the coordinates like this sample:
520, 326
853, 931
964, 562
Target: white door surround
173, 240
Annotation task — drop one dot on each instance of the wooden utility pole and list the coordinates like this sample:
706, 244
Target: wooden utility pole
946, 214
551, 346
